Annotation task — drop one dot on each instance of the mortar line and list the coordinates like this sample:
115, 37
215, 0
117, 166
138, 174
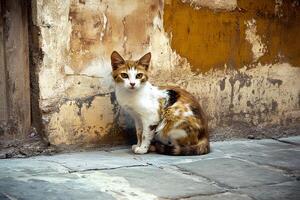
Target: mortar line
188, 174
266, 166
52, 161
266, 184
285, 142
196, 195
219, 184
108, 168
70, 170
9, 196
209, 195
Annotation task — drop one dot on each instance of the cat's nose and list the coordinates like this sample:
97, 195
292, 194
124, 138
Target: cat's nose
132, 84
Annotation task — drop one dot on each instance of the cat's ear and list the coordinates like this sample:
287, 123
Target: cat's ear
116, 60
145, 60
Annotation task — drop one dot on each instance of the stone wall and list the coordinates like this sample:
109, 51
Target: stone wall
239, 58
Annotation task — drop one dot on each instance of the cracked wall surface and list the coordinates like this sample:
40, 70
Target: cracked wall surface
240, 59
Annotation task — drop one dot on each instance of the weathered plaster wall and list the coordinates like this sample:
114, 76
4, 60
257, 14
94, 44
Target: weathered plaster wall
211, 38
233, 55
77, 38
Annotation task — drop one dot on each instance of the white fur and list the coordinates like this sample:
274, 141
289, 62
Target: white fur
188, 113
143, 103
174, 134
177, 134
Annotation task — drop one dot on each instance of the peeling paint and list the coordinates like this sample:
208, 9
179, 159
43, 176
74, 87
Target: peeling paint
222, 84
274, 105
258, 48
213, 4
223, 40
277, 9
275, 81
81, 119
246, 94
242, 72
76, 66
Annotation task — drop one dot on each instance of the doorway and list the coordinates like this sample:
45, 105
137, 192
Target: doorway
15, 114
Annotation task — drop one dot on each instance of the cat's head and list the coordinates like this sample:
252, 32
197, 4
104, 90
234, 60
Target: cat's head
131, 75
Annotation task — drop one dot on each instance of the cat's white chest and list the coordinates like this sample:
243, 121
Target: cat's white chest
144, 102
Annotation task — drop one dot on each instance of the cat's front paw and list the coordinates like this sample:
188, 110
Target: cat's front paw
140, 150
133, 147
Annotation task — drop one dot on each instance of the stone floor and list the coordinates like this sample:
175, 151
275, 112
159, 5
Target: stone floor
250, 169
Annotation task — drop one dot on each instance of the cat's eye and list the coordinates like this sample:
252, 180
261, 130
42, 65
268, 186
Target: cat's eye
139, 75
124, 75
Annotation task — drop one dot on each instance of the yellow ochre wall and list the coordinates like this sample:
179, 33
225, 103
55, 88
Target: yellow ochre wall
209, 39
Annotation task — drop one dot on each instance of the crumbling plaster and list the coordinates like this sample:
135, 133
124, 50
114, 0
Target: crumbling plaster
76, 91
212, 4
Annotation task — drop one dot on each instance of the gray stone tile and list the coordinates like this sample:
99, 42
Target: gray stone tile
37, 188
284, 159
25, 167
82, 161
77, 185
250, 147
294, 139
222, 196
286, 191
163, 183
4, 196
234, 173
274, 145
247, 168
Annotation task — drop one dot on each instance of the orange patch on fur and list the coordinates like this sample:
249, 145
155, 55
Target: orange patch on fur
178, 116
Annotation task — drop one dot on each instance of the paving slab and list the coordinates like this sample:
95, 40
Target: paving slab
50, 187
25, 167
222, 196
250, 147
293, 140
248, 169
235, 173
283, 159
284, 191
163, 183
275, 145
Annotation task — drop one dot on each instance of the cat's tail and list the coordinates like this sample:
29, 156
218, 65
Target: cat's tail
198, 149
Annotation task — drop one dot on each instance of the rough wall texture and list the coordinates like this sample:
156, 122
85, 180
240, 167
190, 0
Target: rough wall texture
240, 59
262, 31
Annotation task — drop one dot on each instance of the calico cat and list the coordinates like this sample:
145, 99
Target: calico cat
167, 119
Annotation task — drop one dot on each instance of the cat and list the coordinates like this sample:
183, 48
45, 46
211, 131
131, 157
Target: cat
168, 120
